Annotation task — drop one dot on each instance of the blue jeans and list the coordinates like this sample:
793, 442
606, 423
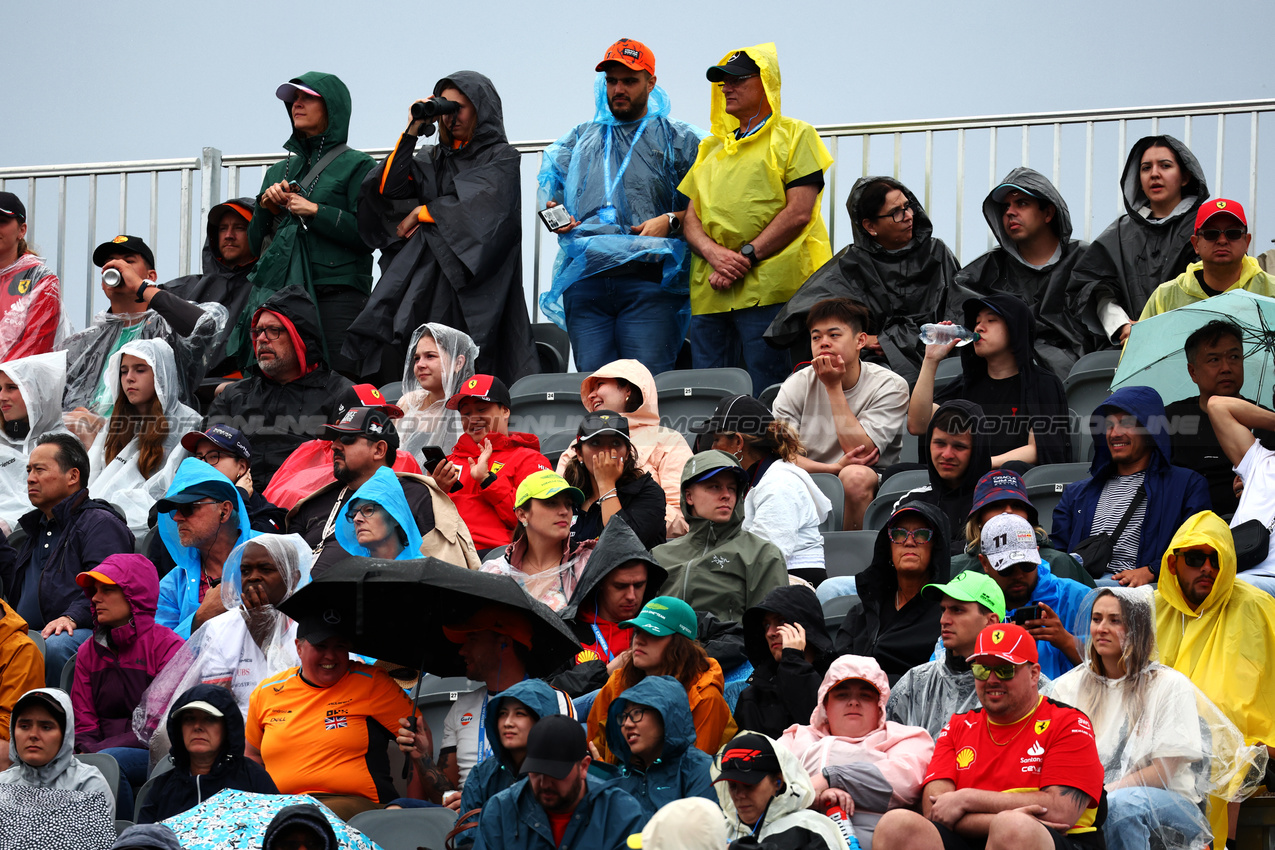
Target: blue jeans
624, 317
1133, 814
1266, 583
734, 338
59, 649
134, 764
834, 586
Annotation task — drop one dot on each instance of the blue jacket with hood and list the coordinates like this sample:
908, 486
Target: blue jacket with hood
1173, 492
179, 590
682, 770
384, 489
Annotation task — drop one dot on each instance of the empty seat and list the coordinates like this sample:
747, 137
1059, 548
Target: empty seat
847, 553
1096, 360
835, 610
769, 395
545, 404
37, 639
406, 829
1045, 497
68, 674
689, 396
948, 371
732, 380
830, 486
553, 345
1051, 473
890, 491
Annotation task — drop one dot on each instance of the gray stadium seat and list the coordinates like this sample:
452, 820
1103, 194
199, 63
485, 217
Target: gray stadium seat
1085, 391
835, 610
689, 396
1096, 360
553, 445
392, 391
406, 829
436, 698
68, 674
553, 345
769, 395
948, 371
847, 553
734, 381
545, 404
121, 825
1051, 473
1045, 497
830, 486
891, 489
110, 769
37, 639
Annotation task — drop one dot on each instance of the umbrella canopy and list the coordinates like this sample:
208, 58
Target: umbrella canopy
232, 818
399, 609
1153, 356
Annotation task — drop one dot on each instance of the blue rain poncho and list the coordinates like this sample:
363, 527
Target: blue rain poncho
384, 489
644, 160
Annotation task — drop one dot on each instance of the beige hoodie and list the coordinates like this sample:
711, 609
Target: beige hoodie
662, 452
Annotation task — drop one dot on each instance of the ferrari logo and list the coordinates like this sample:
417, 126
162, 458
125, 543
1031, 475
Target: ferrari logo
1041, 726
1221, 205
376, 393
24, 286
473, 382
119, 239
998, 636
965, 757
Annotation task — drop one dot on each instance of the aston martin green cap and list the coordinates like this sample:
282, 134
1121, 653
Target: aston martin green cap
665, 615
970, 586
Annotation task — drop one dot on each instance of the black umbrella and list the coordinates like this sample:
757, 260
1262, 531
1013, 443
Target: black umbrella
399, 609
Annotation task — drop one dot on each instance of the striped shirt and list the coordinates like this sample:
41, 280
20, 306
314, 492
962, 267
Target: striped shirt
1117, 495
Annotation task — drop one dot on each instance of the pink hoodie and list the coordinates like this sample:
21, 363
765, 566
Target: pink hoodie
899, 754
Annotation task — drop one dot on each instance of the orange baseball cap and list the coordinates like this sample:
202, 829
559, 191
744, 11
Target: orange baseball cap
86, 578
493, 618
630, 54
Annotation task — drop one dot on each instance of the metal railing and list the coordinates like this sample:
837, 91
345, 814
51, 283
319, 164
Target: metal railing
929, 153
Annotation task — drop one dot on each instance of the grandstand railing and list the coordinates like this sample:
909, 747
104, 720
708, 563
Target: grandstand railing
937, 155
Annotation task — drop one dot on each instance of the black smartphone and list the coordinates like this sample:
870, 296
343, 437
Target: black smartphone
432, 455
1029, 612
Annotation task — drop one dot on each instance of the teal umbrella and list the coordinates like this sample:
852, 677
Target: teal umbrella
1153, 356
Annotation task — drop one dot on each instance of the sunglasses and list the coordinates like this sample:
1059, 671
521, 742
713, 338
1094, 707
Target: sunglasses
189, 509
734, 81
1232, 233
633, 715
1004, 672
1195, 559
920, 535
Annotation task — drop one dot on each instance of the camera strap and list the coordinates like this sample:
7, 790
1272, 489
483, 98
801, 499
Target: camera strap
312, 176
608, 184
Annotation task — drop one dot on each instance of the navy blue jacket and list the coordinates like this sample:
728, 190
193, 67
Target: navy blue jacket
1173, 492
603, 820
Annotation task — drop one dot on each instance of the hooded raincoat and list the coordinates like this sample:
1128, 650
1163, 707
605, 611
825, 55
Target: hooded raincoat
32, 320
955, 502
881, 770
661, 451
179, 594
1060, 336
1173, 492
21, 664
788, 821
114, 667
1188, 287
148, 836
433, 424
384, 489
1066, 598
120, 481
718, 566
65, 772
648, 158
899, 639
902, 289
277, 417
680, 770
462, 267
1136, 253
781, 693
1042, 402
179, 790
321, 250
306, 815
1227, 644
738, 186
488, 507
41, 379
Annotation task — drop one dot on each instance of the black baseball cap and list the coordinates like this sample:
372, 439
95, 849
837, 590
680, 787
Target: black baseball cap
222, 491
748, 758
221, 436
123, 244
741, 414
374, 423
555, 745
12, 207
603, 422
321, 625
481, 388
738, 64
45, 701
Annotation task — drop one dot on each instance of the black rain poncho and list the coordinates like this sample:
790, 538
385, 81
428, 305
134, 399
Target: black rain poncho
1134, 254
1059, 335
465, 269
902, 289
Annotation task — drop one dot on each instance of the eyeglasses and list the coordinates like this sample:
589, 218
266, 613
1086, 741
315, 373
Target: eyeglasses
366, 511
900, 214
920, 535
734, 81
269, 332
633, 715
1024, 568
189, 509
213, 458
1211, 235
1004, 672
1194, 558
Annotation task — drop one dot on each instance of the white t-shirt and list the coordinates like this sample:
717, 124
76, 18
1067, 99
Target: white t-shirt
229, 651
1257, 471
879, 400
460, 730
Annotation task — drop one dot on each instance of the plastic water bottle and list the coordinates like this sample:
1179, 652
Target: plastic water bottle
838, 816
934, 334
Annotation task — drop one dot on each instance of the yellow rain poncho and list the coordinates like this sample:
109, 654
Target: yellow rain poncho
738, 187
1227, 646
1186, 289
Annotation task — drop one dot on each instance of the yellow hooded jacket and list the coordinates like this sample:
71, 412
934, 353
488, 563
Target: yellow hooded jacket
1227, 646
1186, 289
738, 187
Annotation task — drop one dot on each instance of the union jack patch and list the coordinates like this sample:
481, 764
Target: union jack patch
338, 722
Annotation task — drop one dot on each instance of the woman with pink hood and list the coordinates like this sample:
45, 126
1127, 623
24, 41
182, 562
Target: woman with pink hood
627, 387
856, 758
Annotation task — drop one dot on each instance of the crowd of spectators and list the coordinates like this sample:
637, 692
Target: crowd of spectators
173, 475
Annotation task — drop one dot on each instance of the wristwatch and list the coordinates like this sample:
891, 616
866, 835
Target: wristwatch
749, 254
140, 290
674, 223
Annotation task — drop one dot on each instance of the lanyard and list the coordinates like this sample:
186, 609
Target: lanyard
602, 641
484, 751
607, 183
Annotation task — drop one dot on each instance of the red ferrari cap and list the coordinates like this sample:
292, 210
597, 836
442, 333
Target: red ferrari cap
1219, 206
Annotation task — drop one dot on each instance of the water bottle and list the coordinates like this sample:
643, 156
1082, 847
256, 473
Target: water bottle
838, 816
934, 334
111, 277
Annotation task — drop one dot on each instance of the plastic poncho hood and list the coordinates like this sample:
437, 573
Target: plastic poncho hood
722, 124
1135, 200
384, 489
41, 379
1036, 184
435, 425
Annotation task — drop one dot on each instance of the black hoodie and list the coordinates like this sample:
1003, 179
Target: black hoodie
781, 693
304, 814
465, 269
898, 639
277, 418
178, 790
1041, 402
1059, 335
902, 289
955, 502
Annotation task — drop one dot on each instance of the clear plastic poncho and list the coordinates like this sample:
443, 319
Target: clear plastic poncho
41, 378
612, 175
32, 317
435, 425
1154, 728
236, 650
120, 482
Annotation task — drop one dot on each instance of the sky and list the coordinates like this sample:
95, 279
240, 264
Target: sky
153, 80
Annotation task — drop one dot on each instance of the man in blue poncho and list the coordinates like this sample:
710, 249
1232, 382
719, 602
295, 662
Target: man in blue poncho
621, 277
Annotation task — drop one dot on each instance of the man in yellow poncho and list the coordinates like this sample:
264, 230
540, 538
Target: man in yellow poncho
1221, 238
754, 220
1220, 633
